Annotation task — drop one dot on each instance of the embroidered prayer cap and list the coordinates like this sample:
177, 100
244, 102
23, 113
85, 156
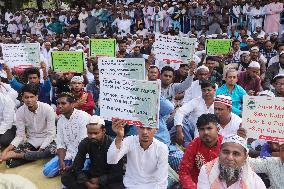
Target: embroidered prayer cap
77, 79
223, 99
236, 139
202, 67
255, 48
97, 120
254, 64
244, 52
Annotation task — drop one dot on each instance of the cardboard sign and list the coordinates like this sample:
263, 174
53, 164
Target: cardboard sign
102, 47
63, 61
215, 47
263, 117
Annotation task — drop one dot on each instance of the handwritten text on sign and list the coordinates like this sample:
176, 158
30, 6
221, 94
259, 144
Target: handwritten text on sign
263, 117
21, 54
173, 48
103, 47
218, 46
63, 61
134, 100
131, 68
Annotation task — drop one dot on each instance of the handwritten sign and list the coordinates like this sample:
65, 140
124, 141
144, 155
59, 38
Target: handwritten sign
131, 68
27, 54
174, 49
102, 47
216, 47
63, 61
134, 100
263, 117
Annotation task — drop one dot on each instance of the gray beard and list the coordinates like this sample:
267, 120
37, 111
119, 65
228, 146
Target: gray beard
229, 174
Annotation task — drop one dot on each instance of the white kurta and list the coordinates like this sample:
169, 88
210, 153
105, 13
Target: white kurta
82, 18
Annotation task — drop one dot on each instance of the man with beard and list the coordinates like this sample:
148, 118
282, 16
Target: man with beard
250, 79
201, 150
100, 174
147, 158
244, 61
71, 129
230, 169
122, 53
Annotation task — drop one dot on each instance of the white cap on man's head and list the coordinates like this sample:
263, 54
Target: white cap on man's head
254, 64
77, 79
97, 120
255, 48
236, 139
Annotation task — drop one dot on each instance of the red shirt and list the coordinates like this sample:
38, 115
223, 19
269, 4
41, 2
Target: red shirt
196, 155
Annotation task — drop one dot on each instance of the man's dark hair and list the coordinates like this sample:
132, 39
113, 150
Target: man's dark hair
30, 88
183, 65
69, 97
205, 119
167, 68
210, 58
274, 80
280, 45
207, 83
235, 41
30, 71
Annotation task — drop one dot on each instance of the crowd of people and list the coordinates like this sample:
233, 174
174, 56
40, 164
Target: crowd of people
200, 142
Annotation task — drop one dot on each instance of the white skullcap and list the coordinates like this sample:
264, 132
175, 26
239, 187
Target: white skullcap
260, 36
274, 33
282, 52
266, 93
236, 139
174, 3
249, 38
223, 99
202, 67
254, 64
278, 75
244, 52
255, 48
96, 120
164, 5
77, 79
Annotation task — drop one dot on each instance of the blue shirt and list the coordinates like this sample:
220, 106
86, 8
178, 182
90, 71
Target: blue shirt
166, 107
236, 95
44, 89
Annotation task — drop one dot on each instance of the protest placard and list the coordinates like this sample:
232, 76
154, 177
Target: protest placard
263, 117
173, 49
23, 54
131, 68
136, 101
215, 47
102, 47
63, 61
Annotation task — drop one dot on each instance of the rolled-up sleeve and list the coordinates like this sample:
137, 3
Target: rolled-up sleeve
114, 154
20, 124
51, 129
182, 111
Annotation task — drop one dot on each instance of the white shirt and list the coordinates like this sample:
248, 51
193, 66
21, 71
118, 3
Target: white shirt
196, 107
145, 169
7, 113
38, 127
231, 127
71, 131
7, 90
273, 167
273, 60
203, 181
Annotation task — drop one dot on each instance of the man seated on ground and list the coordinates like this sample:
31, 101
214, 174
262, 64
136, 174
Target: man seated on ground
201, 150
231, 169
35, 121
33, 75
7, 114
194, 108
250, 80
84, 100
229, 122
71, 129
232, 89
100, 174
272, 167
147, 158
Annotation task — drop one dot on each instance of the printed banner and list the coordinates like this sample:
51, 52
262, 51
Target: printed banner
135, 101
63, 61
263, 117
102, 47
215, 47
23, 54
174, 49
131, 68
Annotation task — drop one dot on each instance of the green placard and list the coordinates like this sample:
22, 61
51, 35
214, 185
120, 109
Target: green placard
63, 61
218, 46
102, 47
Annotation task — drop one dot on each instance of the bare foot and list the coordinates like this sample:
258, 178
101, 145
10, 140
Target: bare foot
9, 155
